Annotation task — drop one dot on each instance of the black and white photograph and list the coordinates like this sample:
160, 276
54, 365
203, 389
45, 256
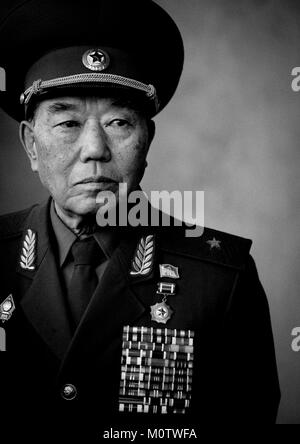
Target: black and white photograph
149, 218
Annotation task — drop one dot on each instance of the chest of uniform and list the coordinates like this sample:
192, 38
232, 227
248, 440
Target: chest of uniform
199, 293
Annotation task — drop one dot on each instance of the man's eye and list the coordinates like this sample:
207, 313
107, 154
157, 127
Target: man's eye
120, 123
69, 124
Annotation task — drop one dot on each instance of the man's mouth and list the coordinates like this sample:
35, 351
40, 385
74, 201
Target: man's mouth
97, 180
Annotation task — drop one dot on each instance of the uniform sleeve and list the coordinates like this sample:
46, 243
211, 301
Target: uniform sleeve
252, 392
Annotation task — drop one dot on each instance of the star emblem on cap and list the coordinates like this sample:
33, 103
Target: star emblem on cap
97, 56
95, 59
214, 243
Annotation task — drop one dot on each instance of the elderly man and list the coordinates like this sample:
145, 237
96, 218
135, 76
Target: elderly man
115, 325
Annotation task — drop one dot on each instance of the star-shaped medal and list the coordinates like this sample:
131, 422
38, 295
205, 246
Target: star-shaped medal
214, 243
161, 313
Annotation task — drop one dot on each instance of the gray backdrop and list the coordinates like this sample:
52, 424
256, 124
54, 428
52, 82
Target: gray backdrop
232, 130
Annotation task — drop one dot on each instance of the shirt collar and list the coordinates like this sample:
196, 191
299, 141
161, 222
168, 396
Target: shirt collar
106, 239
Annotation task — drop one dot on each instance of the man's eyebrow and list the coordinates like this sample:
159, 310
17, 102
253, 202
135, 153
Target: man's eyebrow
62, 106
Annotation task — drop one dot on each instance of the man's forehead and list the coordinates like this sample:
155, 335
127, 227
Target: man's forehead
85, 103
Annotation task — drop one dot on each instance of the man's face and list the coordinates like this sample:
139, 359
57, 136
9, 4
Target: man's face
85, 145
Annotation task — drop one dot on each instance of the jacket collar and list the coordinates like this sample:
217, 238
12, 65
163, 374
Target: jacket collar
115, 297
39, 223
43, 302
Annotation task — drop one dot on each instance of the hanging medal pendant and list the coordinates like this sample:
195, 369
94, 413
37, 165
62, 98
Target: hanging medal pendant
161, 312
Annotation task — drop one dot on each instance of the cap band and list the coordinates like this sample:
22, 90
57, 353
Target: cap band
39, 85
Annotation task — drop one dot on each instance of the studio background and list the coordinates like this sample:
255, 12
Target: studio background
233, 131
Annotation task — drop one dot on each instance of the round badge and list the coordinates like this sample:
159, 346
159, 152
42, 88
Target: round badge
7, 306
69, 392
95, 59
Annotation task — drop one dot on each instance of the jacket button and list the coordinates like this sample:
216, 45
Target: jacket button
69, 392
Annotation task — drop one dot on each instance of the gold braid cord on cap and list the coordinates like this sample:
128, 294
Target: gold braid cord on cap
40, 85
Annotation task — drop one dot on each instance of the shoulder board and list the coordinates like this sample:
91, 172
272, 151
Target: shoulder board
12, 224
212, 246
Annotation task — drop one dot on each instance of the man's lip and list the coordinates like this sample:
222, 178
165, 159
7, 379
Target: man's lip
96, 179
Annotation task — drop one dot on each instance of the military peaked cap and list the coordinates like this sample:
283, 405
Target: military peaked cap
47, 46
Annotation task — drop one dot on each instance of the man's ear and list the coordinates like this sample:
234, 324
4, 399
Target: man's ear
27, 138
151, 130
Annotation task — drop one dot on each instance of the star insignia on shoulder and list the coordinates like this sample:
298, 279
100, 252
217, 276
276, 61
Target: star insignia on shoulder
214, 243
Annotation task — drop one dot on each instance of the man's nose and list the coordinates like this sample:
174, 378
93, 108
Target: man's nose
93, 142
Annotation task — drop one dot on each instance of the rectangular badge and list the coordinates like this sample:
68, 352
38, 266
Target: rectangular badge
168, 271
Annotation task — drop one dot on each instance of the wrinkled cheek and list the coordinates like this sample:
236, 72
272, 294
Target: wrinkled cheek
52, 174
133, 160
48, 177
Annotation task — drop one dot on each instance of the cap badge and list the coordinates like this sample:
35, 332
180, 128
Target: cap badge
6, 308
214, 243
168, 271
142, 263
95, 59
28, 254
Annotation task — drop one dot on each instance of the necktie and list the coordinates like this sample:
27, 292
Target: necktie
86, 255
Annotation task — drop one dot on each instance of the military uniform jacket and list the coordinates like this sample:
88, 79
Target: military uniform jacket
218, 297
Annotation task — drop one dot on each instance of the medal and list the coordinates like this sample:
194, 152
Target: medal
161, 312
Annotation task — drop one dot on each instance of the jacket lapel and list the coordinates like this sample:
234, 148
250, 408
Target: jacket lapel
43, 302
114, 304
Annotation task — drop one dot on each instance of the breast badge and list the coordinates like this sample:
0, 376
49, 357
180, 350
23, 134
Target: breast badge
6, 308
168, 271
156, 370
